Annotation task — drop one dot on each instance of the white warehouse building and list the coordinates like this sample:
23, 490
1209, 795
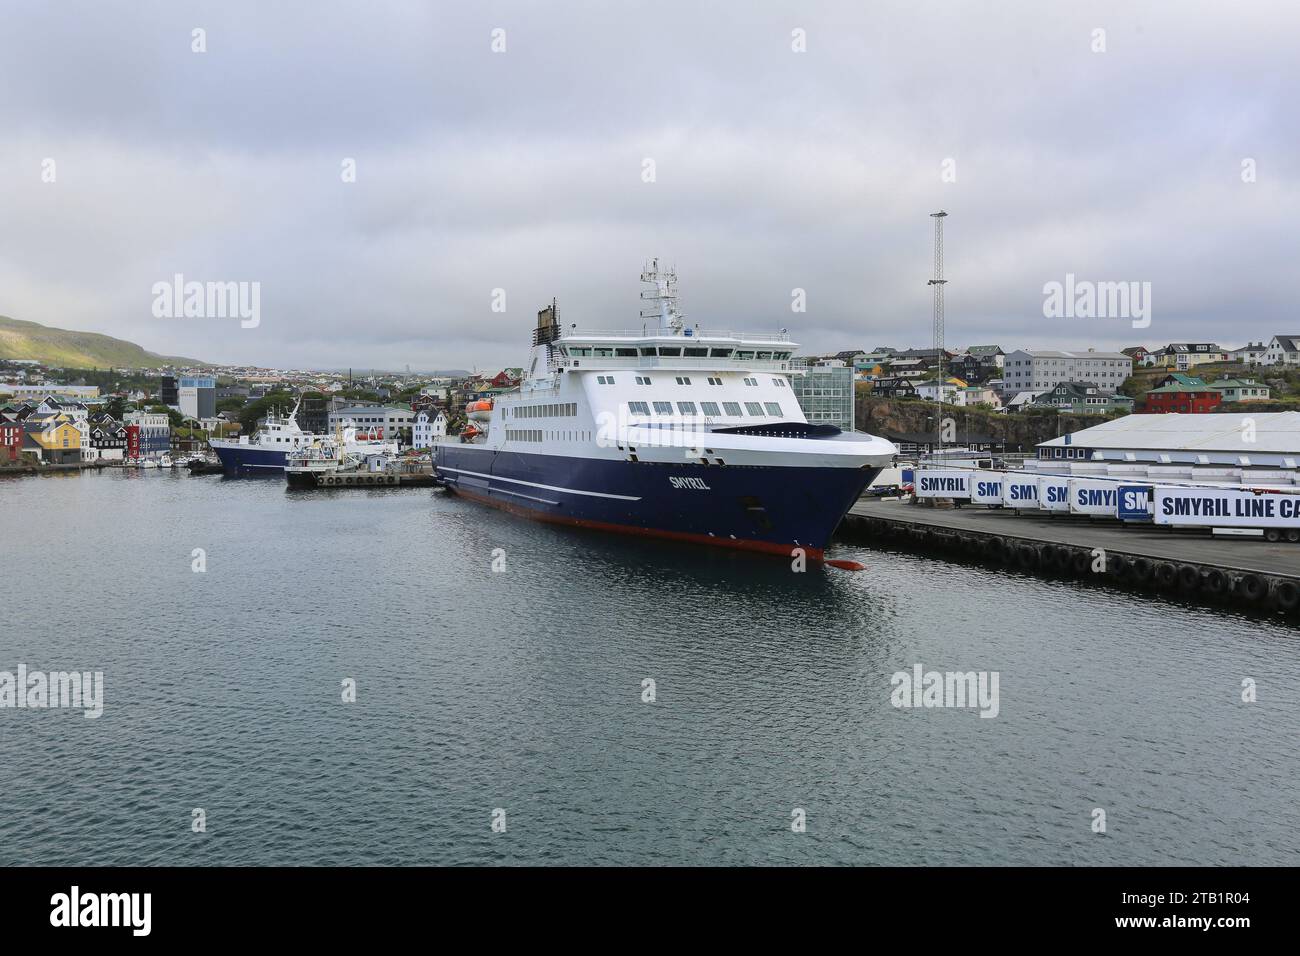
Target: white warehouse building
1263, 440
1028, 370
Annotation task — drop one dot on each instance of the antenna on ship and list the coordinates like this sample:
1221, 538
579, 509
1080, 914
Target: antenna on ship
663, 295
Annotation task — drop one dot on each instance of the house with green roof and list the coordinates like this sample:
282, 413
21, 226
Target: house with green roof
1182, 399
1242, 390
1181, 378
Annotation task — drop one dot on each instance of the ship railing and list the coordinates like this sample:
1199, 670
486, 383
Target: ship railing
668, 362
650, 331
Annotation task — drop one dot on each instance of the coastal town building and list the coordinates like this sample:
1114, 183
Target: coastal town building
154, 432
1186, 355
1083, 398
430, 425
825, 392
1140, 356
21, 391
1182, 399
197, 397
382, 421
894, 388
1282, 350
1264, 440
1252, 353
107, 438
51, 438
11, 441
1026, 369
1241, 390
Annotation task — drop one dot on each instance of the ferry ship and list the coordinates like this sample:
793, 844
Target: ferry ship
669, 431
265, 452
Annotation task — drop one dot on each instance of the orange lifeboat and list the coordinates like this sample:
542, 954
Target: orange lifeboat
479, 411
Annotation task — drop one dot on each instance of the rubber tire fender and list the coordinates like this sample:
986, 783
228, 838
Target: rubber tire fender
1286, 594
1251, 587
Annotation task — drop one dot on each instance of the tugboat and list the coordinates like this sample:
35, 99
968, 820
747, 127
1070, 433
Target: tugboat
668, 431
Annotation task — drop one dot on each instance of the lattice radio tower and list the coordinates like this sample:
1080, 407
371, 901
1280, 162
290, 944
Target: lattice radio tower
938, 283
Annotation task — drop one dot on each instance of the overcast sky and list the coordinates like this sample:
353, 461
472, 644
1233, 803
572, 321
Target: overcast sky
523, 170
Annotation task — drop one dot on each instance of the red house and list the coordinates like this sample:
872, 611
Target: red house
1184, 399
132, 441
11, 442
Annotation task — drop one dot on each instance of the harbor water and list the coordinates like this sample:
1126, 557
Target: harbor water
503, 673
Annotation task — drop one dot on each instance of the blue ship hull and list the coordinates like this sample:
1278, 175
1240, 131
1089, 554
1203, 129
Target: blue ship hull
771, 509
244, 461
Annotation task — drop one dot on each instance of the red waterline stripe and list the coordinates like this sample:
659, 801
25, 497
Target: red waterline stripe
738, 544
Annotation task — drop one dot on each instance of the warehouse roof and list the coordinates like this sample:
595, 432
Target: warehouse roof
1273, 432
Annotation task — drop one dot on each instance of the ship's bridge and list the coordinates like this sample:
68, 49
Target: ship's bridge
687, 348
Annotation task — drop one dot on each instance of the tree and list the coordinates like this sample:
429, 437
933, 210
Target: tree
174, 417
282, 402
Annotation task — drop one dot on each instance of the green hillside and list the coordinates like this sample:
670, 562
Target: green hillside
66, 349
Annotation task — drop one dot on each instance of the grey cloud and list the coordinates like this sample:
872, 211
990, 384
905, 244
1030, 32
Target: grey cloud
775, 170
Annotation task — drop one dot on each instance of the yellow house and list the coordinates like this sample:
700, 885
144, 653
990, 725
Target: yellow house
54, 439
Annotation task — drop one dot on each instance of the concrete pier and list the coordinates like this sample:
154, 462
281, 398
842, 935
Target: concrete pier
1245, 571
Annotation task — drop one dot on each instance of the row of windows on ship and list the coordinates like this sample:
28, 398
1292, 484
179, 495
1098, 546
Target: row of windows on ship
674, 351
686, 380
709, 409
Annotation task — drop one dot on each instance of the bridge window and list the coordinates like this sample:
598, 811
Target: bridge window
625, 353
697, 353
669, 350
720, 353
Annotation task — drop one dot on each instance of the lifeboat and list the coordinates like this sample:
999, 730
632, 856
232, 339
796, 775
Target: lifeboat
479, 411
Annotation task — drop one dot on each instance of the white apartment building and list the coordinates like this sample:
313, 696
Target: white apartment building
1036, 369
385, 421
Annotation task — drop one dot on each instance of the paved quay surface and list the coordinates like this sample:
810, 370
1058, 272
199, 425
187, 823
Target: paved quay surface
1229, 553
